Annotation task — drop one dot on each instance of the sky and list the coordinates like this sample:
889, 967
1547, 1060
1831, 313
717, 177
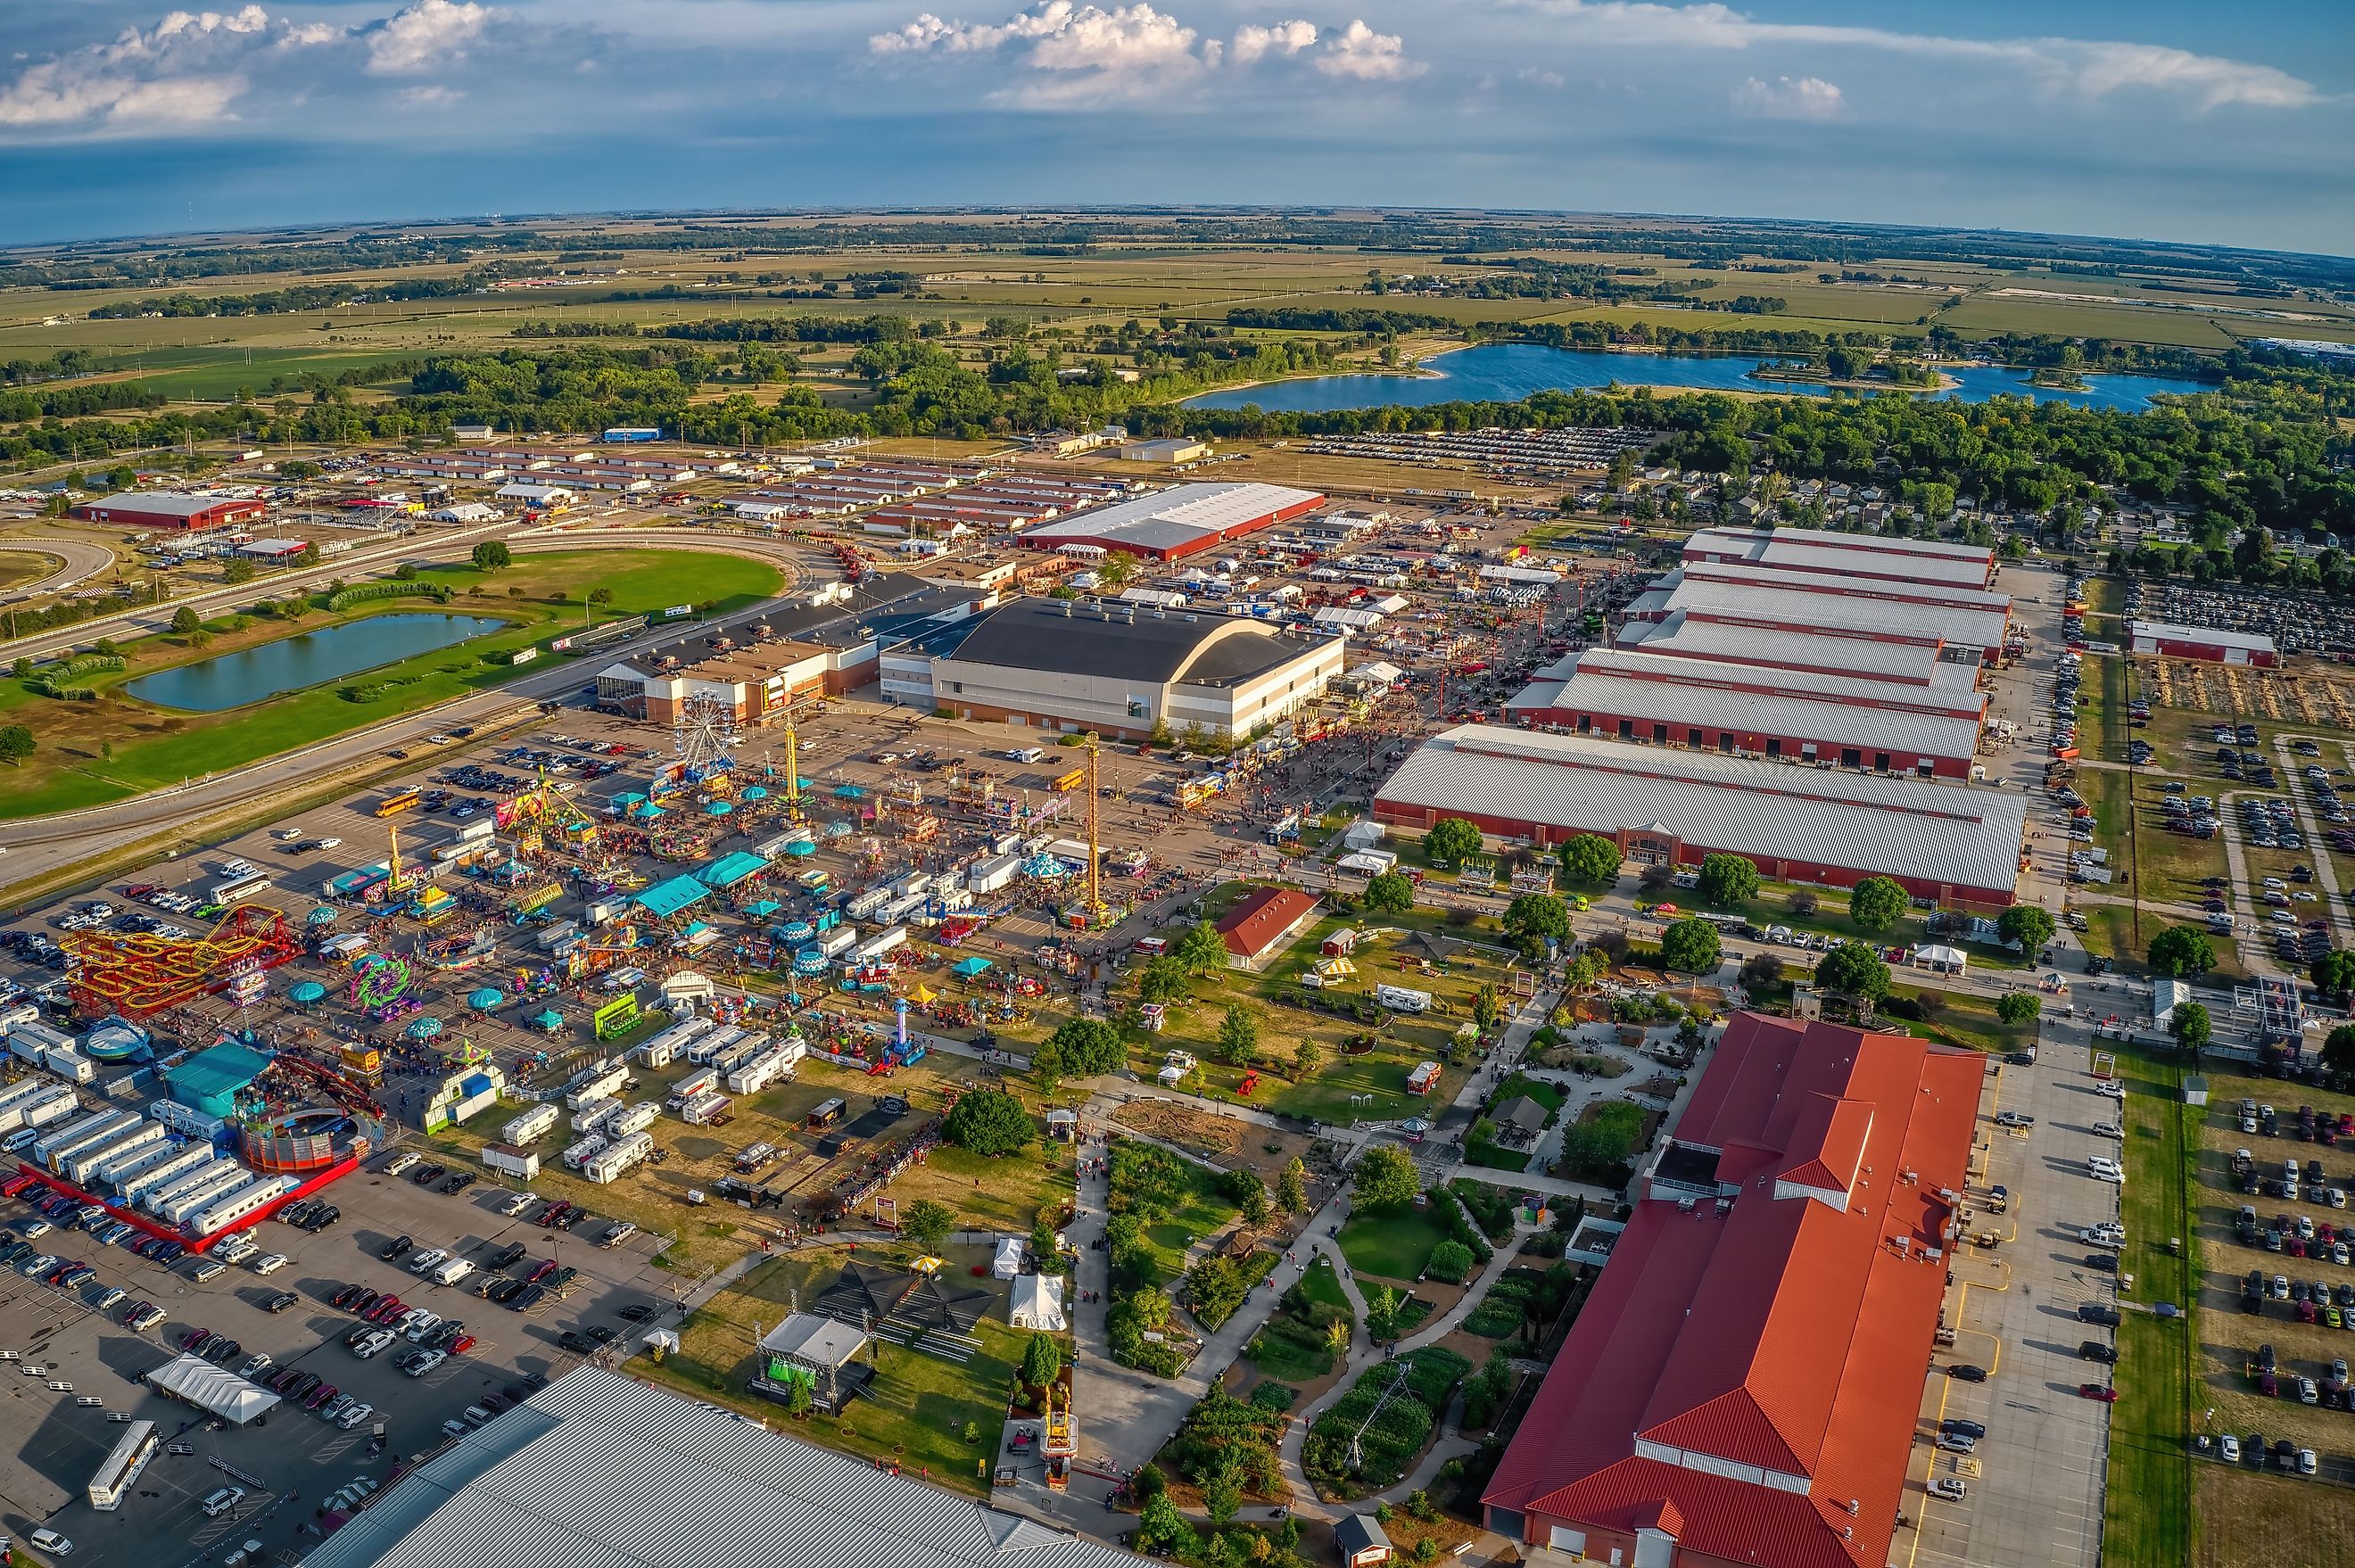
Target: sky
2166, 119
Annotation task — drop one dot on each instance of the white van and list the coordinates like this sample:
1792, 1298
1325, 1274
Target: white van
452, 1272
221, 1502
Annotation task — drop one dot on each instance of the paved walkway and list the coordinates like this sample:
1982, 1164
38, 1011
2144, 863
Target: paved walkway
1364, 1353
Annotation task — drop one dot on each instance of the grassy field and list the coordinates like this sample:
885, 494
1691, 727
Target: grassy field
1392, 1243
118, 746
917, 1411
2148, 1518
216, 356
1344, 1087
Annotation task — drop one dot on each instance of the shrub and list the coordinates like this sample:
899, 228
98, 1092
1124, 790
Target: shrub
1451, 1262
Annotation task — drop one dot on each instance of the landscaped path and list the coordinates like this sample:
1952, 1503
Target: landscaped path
1364, 1353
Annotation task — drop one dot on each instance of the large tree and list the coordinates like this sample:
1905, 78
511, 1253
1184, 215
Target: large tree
491, 555
1042, 1360
2180, 951
16, 744
1690, 947
1392, 893
1164, 980
1590, 857
1385, 1177
1853, 970
2334, 973
1080, 1048
2190, 1026
2017, 1007
1238, 1036
988, 1121
1201, 949
928, 1224
1876, 903
1533, 917
1728, 879
2338, 1056
1451, 840
2030, 925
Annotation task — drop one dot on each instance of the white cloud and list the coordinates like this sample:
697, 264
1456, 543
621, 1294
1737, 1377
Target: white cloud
189, 68
422, 35
1252, 43
1084, 53
1809, 98
1360, 52
2091, 68
427, 97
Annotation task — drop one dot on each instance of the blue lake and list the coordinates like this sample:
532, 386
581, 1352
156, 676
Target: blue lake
304, 660
1507, 372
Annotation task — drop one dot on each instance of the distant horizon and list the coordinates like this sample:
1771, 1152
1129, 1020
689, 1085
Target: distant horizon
2171, 119
1099, 210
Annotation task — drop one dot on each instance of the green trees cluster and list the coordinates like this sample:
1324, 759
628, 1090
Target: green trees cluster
2182, 952
1080, 1048
1876, 903
1590, 857
1728, 879
988, 1122
1451, 840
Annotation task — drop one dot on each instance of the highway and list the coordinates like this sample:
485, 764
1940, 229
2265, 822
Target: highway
39, 846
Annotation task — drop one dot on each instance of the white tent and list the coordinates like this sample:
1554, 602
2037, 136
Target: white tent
1938, 957
211, 1389
1037, 1303
1009, 1257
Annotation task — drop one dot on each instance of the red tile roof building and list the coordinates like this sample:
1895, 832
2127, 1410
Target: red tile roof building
1741, 1387
1263, 922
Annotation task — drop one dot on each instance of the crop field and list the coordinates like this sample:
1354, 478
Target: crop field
1082, 290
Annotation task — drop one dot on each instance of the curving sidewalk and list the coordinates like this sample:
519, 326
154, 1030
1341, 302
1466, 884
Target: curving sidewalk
1364, 1353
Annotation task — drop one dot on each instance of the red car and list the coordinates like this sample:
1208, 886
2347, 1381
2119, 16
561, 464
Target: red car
462, 1344
2102, 1391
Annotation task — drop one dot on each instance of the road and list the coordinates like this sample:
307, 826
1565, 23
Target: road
40, 845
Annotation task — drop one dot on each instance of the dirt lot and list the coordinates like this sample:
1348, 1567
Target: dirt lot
1222, 1140
2249, 1520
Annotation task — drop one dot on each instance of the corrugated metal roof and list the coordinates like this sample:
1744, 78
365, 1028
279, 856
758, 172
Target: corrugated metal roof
1606, 684
1860, 545
598, 1470
1839, 613
1834, 583
2216, 637
1939, 833
1168, 519
1862, 692
1865, 658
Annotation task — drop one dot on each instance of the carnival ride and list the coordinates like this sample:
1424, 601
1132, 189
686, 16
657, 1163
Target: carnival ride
137, 976
381, 986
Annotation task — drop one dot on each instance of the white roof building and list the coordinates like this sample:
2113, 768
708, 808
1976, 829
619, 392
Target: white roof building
217, 1391
598, 1470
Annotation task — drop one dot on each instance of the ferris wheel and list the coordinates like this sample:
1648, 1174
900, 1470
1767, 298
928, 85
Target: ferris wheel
704, 738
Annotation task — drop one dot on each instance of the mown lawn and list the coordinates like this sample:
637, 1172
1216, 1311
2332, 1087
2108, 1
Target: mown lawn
90, 752
1392, 1243
2148, 1520
914, 1413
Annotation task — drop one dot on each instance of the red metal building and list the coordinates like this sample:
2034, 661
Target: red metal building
169, 509
1741, 1387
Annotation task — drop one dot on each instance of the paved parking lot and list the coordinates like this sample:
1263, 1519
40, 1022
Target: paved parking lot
2037, 1499
294, 1460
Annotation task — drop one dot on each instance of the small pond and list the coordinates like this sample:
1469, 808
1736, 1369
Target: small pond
304, 660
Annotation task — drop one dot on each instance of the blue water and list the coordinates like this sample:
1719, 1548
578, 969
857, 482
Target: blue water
1507, 372
306, 660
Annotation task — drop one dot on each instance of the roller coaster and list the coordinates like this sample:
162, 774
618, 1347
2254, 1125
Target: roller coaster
137, 976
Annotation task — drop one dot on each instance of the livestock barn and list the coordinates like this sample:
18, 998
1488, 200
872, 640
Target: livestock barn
1954, 845
170, 510
2207, 643
1183, 520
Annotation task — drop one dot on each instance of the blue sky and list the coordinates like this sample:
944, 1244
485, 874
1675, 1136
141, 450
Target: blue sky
2225, 123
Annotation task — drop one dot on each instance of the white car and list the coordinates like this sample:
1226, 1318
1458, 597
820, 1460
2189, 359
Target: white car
517, 1204
427, 1258
375, 1342
270, 1263
399, 1162
426, 1363
51, 1541
330, 842
417, 1331
2110, 1087
1948, 1488
285, 834
2108, 1130
2228, 1449
2105, 1169
354, 1415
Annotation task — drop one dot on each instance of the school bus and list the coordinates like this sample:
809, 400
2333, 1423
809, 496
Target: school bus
396, 802
1069, 782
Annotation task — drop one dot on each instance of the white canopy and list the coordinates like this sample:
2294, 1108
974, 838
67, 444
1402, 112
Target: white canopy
1938, 955
1037, 1303
1009, 1257
211, 1389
